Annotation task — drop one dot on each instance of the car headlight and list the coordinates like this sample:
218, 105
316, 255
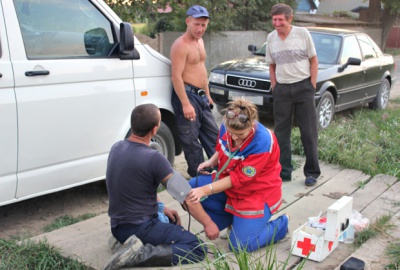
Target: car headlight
216, 78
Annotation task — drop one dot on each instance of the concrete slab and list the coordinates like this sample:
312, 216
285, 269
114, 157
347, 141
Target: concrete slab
87, 240
373, 252
368, 201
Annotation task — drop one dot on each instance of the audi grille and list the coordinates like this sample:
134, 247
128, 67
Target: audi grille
248, 83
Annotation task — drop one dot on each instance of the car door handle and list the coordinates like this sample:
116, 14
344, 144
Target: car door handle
37, 73
1, 75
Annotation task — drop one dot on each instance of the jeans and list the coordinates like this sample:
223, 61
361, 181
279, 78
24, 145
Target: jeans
186, 247
203, 128
247, 234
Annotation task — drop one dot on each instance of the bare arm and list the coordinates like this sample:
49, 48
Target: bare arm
210, 228
206, 88
179, 54
314, 70
272, 75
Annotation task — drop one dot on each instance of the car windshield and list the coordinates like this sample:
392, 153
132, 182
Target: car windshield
327, 47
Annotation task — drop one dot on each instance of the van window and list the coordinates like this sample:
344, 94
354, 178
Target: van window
64, 29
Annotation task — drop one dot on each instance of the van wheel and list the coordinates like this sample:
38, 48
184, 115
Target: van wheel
381, 100
325, 110
164, 142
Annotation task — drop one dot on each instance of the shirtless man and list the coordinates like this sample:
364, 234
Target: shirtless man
191, 98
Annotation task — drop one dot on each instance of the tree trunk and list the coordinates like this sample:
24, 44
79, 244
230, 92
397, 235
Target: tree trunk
387, 22
374, 12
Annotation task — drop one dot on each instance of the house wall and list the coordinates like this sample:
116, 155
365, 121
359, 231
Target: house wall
330, 6
221, 46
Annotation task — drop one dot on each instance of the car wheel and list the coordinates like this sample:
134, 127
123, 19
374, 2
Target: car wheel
381, 100
163, 141
325, 110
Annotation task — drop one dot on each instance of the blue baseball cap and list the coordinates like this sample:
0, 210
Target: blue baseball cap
197, 12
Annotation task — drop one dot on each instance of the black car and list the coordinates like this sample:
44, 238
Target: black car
352, 71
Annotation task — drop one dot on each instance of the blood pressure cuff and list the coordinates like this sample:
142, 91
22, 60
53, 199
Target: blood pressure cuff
178, 187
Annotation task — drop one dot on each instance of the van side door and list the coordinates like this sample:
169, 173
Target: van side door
8, 121
74, 94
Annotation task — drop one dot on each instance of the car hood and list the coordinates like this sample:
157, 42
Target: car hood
249, 65
253, 66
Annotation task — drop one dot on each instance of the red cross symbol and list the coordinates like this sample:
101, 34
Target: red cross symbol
330, 244
306, 246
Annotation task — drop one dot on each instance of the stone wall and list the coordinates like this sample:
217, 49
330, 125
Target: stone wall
223, 46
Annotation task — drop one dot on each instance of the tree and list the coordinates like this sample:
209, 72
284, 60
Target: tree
255, 14
387, 17
225, 14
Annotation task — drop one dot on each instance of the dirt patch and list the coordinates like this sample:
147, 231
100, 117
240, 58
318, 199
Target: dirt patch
28, 218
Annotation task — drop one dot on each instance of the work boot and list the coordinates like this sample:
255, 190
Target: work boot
133, 253
128, 250
150, 255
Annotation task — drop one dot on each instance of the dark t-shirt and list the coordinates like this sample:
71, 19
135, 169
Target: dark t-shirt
134, 172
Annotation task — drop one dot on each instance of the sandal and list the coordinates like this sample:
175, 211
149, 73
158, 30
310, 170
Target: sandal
310, 181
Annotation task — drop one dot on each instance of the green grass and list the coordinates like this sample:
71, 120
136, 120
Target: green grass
369, 141
138, 27
392, 51
66, 221
34, 255
365, 140
381, 225
242, 259
394, 254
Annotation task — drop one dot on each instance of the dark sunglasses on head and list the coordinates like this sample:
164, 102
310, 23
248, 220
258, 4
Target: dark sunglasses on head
231, 115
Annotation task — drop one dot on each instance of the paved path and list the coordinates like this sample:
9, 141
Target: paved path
87, 240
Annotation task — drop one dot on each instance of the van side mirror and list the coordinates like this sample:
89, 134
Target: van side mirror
252, 48
127, 42
351, 61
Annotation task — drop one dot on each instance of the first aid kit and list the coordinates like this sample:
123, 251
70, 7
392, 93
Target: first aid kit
319, 237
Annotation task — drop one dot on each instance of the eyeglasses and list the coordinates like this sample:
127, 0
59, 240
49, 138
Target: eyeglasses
231, 115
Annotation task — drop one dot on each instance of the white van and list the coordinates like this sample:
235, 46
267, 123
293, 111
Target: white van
70, 74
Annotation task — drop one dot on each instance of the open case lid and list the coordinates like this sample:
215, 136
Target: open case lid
338, 218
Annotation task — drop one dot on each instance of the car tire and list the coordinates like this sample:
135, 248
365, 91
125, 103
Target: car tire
381, 100
325, 110
164, 142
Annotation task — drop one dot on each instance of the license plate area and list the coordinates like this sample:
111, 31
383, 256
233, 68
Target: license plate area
258, 100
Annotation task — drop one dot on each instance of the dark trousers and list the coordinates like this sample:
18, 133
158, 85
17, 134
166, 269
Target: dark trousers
204, 128
186, 247
296, 102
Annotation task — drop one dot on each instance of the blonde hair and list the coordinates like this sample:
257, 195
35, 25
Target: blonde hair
240, 106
